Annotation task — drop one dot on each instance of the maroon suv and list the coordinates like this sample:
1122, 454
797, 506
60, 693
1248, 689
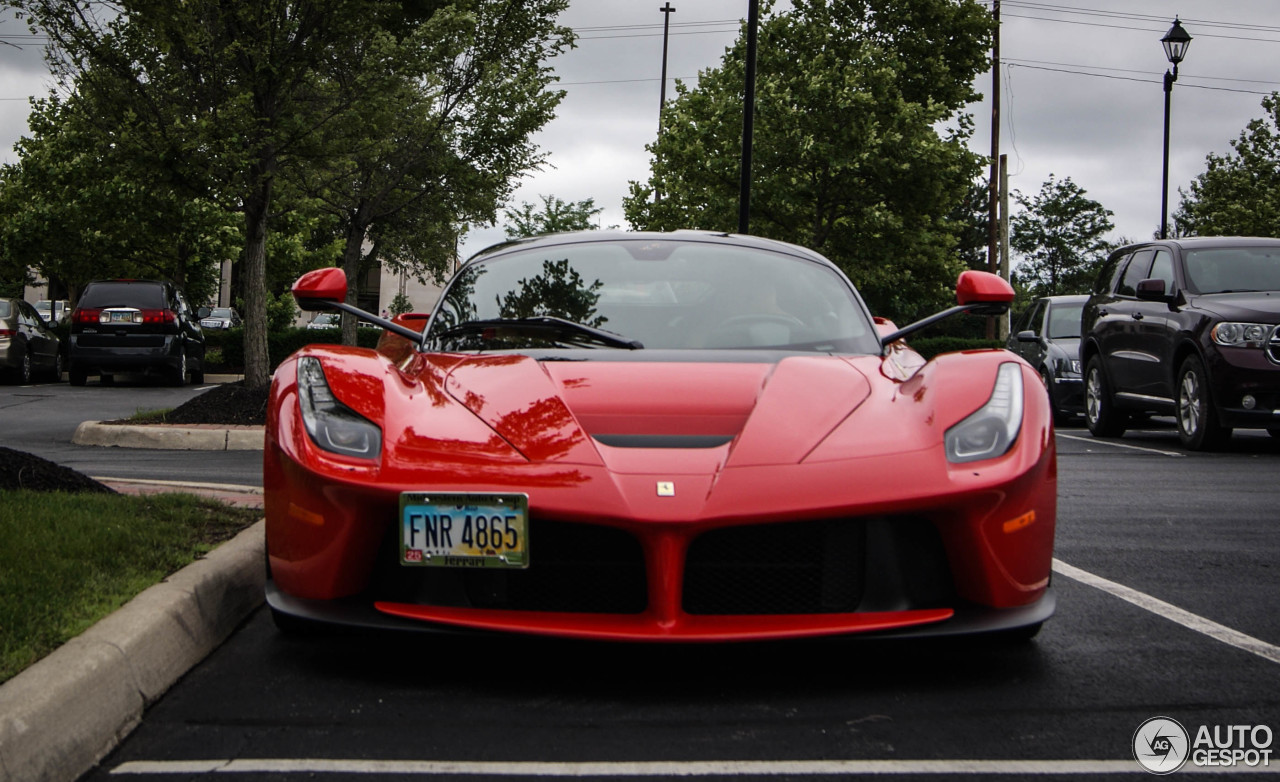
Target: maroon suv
1186, 327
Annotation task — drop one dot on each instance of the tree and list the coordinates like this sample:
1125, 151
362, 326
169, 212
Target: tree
84, 203
848, 158
253, 92
553, 217
1059, 234
1239, 193
439, 131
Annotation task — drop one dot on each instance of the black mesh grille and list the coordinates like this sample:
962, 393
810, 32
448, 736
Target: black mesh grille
575, 568
793, 568
817, 567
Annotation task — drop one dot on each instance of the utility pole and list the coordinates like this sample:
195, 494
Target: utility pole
667, 11
748, 120
993, 192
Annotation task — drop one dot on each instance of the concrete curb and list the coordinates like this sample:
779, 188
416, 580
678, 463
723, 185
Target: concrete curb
65, 713
168, 438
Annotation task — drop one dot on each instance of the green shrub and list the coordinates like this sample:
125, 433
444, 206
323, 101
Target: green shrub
281, 344
932, 346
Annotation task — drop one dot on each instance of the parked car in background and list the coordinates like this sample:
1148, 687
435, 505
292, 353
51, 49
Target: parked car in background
53, 312
1186, 327
1048, 337
220, 318
27, 346
134, 326
326, 320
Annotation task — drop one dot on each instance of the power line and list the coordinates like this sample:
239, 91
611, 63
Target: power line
1140, 29
1143, 81
1135, 70
1143, 17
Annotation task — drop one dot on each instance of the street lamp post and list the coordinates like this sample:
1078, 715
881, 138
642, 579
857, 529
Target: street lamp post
1176, 43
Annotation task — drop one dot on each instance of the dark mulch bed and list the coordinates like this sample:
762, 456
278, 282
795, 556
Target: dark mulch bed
21, 470
230, 404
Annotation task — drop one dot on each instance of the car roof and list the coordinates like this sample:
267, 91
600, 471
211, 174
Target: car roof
1206, 242
586, 237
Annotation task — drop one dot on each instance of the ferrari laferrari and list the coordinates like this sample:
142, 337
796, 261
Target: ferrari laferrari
665, 437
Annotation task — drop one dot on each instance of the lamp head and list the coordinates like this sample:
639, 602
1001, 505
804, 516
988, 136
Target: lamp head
1176, 42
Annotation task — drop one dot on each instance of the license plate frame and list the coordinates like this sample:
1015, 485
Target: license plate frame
457, 529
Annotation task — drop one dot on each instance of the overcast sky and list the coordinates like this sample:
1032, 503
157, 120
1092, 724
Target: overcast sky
1081, 94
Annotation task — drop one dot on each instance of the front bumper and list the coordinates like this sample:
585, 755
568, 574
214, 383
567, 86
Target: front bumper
1236, 374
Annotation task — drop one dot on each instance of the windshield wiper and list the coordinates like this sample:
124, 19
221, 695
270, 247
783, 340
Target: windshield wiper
544, 324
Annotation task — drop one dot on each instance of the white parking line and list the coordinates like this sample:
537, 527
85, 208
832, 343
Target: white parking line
1171, 612
700, 768
1096, 441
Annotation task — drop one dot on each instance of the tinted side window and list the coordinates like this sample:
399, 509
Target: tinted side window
1037, 318
1162, 269
1024, 320
1106, 281
1135, 272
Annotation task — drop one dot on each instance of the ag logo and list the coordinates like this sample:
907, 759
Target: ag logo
1160, 745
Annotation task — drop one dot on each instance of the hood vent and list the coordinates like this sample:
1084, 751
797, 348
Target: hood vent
663, 440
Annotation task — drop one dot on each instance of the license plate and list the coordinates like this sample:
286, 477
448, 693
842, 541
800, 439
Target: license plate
464, 530
122, 317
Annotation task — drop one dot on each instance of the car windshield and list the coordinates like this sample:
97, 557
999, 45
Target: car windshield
655, 294
220, 312
1228, 269
1064, 321
5, 309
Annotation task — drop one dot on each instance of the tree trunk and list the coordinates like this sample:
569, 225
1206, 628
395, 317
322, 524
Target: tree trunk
352, 254
257, 364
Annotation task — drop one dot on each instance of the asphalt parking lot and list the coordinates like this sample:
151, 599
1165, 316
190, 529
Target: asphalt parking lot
1166, 581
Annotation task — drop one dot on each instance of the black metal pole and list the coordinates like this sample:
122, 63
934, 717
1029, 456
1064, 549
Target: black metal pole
748, 119
1169, 79
667, 11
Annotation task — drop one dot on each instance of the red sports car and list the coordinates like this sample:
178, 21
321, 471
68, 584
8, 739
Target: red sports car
658, 437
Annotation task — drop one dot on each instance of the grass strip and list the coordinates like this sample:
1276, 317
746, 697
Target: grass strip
68, 560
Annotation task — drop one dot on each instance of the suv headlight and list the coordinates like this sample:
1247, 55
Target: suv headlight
1241, 335
992, 429
332, 425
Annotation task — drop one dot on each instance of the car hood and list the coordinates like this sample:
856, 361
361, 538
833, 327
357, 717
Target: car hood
612, 411
1260, 306
1065, 347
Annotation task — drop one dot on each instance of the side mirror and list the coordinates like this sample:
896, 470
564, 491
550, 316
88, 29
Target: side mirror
1152, 290
319, 288
1028, 336
983, 293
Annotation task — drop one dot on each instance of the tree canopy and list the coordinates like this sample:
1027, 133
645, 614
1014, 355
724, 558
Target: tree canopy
554, 216
1239, 193
848, 156
1059, 235
243, 103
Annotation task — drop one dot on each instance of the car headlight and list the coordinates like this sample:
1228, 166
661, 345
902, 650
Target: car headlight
993, 428
332, 425
1068, 366
1241, 335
